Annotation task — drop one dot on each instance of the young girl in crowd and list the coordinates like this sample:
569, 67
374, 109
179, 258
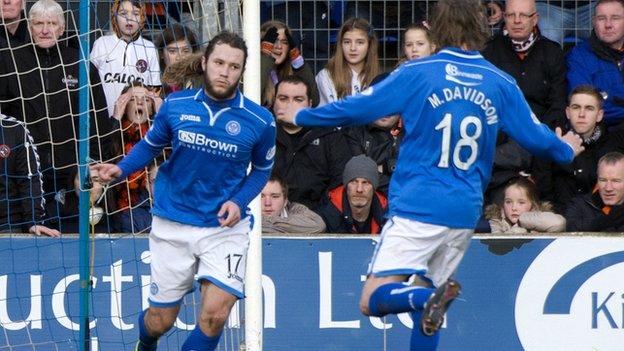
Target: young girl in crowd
521, 211
354, 65
176, 43
124, 56
280, 58
134, 109
417, 42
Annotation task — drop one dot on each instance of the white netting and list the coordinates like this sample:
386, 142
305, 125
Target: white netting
41, 87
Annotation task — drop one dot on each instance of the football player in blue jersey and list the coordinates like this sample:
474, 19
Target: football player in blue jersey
453, 104
200, 224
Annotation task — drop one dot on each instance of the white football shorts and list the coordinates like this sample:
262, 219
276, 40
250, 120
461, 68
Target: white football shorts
408, 247
182, 253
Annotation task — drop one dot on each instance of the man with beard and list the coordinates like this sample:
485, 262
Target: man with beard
355, 207
598, 61
201, 193
311, 160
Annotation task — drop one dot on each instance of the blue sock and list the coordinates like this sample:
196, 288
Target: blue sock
420, 341
397, 298
148, 342
198, 341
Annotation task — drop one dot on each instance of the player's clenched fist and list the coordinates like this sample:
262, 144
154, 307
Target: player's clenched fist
107, 171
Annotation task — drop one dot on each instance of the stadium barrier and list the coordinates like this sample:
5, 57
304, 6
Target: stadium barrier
531, 292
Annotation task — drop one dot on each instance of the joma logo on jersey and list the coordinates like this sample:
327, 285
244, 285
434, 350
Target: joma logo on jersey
192, 118
201, 140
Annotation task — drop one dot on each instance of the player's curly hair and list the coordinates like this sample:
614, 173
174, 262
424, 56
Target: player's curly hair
460, 23
113, 14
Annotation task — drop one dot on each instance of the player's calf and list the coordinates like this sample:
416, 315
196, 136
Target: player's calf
438, 304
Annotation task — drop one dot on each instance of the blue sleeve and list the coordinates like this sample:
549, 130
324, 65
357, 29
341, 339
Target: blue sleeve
519, 122
382, 99
158, 136
261, 165
580, 72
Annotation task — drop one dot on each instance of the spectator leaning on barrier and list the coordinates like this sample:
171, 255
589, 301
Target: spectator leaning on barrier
125, 56
41, 89
14, 27
355, 207
279, 215
537, 63
282, 57
598, 61
22, 206
560, 183
603, 209
522, 212
311, 160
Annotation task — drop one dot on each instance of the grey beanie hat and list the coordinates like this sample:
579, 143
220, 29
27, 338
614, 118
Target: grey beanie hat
361, 166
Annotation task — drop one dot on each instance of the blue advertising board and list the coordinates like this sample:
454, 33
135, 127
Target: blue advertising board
542, 294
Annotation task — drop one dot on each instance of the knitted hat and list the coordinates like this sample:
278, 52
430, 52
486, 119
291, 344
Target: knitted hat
361, 166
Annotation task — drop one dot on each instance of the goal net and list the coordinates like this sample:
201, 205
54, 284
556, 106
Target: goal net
49, 140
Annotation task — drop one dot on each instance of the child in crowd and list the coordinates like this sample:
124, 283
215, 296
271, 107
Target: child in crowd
521, 211
280, 58
417, 42
135, 107
176, 43
124, 56
354, 65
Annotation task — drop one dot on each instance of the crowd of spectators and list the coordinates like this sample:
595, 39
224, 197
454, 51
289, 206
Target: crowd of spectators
332, 180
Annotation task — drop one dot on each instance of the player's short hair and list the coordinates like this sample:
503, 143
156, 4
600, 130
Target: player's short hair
47, 7
293, 79
460, 23
611, 158
587, 90
229, 38
282, 183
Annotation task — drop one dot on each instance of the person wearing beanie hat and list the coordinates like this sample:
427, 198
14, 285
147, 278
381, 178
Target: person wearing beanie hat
355, 207
361, 166
124, 55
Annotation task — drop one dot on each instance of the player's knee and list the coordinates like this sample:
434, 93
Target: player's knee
213, 321
159, 323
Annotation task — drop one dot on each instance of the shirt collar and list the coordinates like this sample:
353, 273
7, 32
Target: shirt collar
236, 102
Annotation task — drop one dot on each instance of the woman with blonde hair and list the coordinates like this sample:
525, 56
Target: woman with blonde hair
281, 58
354, 64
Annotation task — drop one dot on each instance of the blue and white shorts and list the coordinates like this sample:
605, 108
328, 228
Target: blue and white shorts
181, 253
408, 247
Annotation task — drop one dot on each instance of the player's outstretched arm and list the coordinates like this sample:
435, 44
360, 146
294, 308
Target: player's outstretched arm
572, 139
107, 171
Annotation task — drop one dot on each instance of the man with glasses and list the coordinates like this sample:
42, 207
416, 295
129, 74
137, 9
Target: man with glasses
598, 61
537, 63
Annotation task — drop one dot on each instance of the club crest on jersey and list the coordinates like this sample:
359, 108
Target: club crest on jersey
5, 151
233, 128
70, 81
141, 66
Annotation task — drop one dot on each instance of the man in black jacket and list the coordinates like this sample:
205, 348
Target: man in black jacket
355, 207
21, 188
560, 183
39, 86
537, 63
601, 211
311, 160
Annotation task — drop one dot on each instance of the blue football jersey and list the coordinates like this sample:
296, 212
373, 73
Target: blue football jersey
452, 105
213, 144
